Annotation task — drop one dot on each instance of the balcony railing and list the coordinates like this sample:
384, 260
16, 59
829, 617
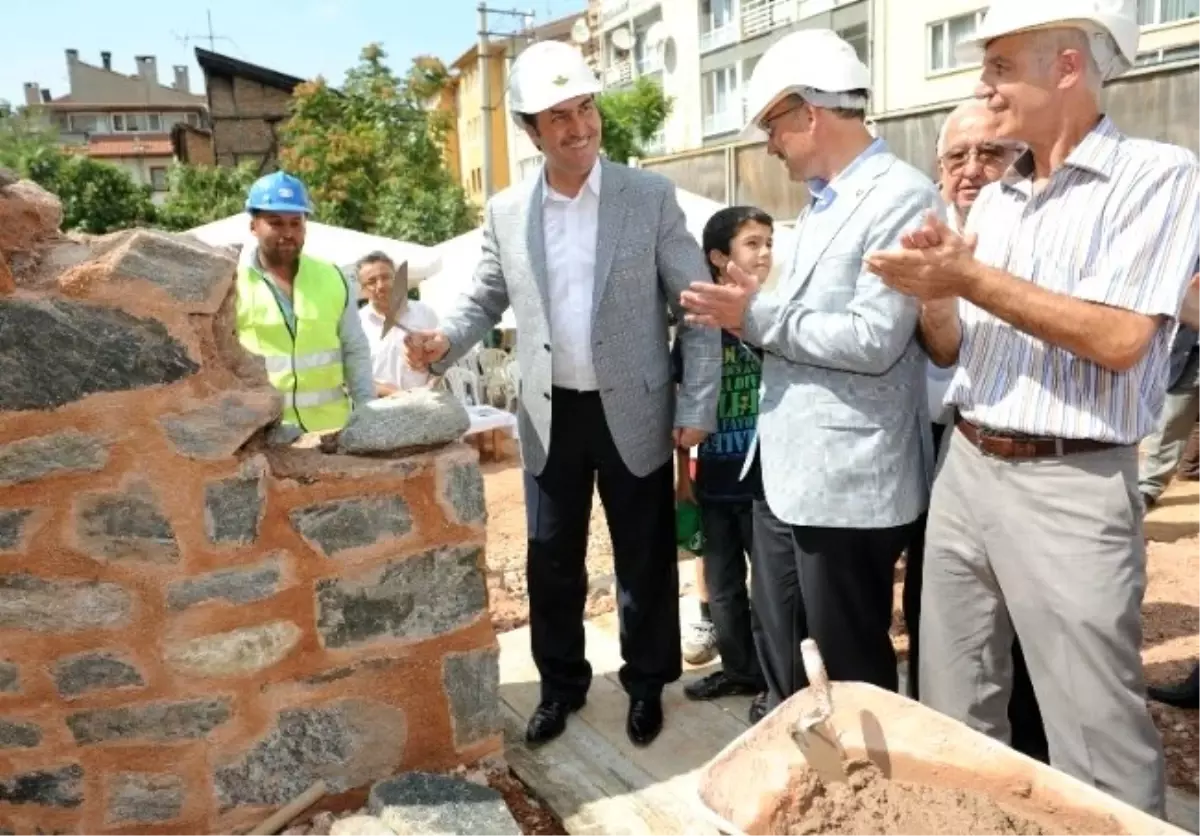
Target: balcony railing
758, 18
619, 73
717, 38
651, 63
723, 121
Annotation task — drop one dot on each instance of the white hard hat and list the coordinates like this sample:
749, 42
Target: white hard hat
1111, 27
546, 74
814, 64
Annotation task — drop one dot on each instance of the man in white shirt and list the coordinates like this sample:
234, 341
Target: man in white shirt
392, 373
589, 256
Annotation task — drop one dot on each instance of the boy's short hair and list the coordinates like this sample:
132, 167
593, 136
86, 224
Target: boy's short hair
724, 226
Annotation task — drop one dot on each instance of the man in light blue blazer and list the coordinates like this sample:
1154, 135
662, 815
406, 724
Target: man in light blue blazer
843, 433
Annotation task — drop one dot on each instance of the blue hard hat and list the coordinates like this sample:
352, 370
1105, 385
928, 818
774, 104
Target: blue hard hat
278, 192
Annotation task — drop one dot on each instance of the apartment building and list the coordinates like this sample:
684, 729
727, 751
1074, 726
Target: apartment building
915, 47
122, 119
703, 52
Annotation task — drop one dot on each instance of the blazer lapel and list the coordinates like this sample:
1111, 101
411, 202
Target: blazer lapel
819, 228
610, 223
535, 240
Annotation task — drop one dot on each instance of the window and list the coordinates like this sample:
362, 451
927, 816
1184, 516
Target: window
136, 123
1155, 12
721, 100
1163, 56
158, 178
944, 36
89, 123
529, 166
856, 36
717, 26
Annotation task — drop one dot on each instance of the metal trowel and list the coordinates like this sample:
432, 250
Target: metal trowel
399, 298
813, 731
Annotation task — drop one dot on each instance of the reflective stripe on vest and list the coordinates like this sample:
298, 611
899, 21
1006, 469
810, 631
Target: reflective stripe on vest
306, 367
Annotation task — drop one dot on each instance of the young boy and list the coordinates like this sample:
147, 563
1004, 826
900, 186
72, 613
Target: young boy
743, 235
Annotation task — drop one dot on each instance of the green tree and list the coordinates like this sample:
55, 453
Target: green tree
371, 155
96, 197
200, 194
632, 116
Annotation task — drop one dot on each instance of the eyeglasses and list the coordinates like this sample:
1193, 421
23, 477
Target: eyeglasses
991, 155
767, 124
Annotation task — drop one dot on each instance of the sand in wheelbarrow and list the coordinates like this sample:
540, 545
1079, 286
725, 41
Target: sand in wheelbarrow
869, 803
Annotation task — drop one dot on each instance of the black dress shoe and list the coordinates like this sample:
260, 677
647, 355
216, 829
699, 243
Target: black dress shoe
758, 708
719, 684
1184, 694
549, 720
645, 721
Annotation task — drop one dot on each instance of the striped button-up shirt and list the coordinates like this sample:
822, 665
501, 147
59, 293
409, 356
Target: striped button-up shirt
1116, 224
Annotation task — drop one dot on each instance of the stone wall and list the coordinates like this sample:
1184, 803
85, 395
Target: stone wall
194, 625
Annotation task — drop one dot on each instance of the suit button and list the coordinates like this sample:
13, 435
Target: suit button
546, 395
547, 346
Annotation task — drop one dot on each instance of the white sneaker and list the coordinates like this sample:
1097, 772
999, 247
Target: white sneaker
699, 643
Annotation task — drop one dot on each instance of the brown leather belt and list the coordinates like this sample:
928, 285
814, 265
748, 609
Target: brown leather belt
1009, 446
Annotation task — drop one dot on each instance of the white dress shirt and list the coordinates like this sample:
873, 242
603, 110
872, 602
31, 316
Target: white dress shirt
570, 226
387, 352
937, 379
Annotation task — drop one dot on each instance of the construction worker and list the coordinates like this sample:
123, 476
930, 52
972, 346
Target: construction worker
1058, 303
843, 430
590, 255
299, 314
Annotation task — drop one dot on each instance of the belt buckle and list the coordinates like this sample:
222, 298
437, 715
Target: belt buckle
991, 443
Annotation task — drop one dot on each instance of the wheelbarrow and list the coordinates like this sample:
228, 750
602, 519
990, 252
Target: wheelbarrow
740, 787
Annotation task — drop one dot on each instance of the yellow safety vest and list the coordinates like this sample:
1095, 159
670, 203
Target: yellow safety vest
305, 366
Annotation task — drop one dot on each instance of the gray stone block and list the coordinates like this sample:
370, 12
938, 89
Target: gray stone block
412, 598
144, 797
10, 678
17, 735
75, 675
61, 606
126, 526
236, 652
186, 269
233, 508
341, 524
12, 527
219, 428
154, 722
471, 681
56, 351
423, 802
61, 787
47, 455
232, 586
346, 744
462, 489
412, 418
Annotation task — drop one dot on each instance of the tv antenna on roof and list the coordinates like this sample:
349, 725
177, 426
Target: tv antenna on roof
210, 37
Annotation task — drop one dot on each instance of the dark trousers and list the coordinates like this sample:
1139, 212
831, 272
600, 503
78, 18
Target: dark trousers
641, 522
833, 585
1028, 732
1189, 462
728, 535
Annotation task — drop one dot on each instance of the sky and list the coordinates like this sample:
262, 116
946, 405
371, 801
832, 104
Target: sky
303, 38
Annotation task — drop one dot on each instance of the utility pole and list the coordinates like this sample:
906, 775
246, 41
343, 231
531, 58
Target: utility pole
485, 79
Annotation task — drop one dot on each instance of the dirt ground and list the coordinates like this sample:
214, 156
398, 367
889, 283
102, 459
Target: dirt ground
1171, 614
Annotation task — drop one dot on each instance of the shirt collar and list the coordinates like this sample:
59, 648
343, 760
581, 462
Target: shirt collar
825, 192
592, 184
1096, 153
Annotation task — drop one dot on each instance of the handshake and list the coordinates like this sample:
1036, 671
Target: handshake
423, 348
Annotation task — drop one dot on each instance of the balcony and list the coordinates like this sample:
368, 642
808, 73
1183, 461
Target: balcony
761, 16
723, 121
619, 73
650, 63
717, 38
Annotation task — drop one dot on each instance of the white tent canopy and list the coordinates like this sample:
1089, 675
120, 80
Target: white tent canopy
458, 257
343, 247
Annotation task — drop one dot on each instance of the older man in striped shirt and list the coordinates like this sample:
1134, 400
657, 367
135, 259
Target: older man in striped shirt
1059, 305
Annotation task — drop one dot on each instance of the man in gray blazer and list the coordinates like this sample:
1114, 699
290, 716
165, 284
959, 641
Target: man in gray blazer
843, 431
590, 255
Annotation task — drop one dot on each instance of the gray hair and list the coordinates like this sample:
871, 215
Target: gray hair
964, 109
1048, 44
374, 257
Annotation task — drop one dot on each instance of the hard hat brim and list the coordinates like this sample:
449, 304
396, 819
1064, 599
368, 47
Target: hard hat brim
568, 92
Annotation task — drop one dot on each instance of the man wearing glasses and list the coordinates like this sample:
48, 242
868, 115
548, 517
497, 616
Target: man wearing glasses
843, 434
970, 156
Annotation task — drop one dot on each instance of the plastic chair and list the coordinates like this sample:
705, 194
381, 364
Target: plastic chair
463, 384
